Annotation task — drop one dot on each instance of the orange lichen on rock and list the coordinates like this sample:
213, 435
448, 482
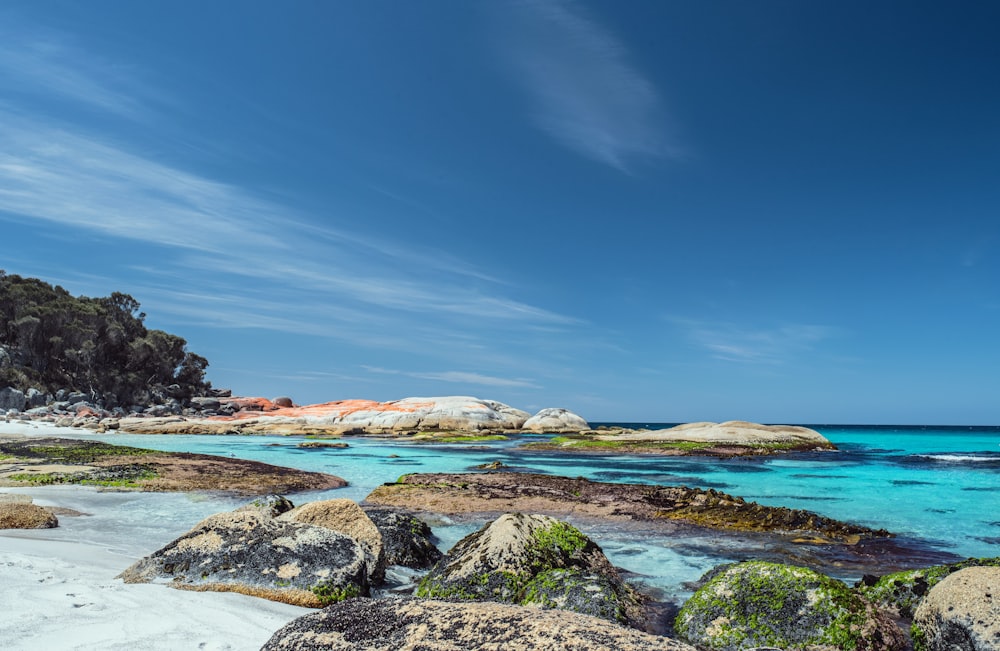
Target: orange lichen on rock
252, 407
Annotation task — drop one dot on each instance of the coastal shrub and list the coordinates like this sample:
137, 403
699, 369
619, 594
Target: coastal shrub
99, 346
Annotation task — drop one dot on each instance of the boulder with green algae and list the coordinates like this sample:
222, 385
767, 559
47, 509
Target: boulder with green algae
533, 559
758, 604
902, 592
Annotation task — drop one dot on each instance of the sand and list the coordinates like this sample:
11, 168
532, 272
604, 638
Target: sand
59, 589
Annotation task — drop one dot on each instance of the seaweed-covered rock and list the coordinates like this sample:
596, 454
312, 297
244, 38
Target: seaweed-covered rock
391, 624
251, 553
960, 613
901, 592
406, 539
271, 505
756, 604
22, 514
346, 517
513, 559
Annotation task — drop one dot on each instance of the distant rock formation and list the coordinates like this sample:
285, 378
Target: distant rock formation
390, 624
555, 420
262, 416
733, 438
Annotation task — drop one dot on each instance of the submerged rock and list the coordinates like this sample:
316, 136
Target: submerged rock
757, 604
533, 559
960, 613
405, 538
251, 553
458, 493
555, 420
427, 625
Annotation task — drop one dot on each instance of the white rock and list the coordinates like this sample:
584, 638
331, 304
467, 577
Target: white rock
555, 419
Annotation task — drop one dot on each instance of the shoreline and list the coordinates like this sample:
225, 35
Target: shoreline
63, 579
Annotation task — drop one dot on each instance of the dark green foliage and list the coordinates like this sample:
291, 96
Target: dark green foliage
95, 345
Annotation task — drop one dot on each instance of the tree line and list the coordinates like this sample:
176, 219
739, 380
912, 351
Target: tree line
51, 340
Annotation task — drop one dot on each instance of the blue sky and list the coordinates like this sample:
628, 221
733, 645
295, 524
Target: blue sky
645, 211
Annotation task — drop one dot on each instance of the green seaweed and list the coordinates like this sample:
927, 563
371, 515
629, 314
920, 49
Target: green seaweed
83, 453
768, 604
328, 594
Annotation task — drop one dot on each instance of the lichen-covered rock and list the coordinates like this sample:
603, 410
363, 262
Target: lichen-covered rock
270, 505
251, 553
19, 512
406, 539
426, 625
262, 416
960, 613
757, 604
346, 517
901, 592
555, 420
513, 559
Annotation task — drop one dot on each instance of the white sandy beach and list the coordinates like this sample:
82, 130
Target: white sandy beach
59, 589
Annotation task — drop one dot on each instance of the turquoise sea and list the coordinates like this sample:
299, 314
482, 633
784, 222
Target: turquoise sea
937, 488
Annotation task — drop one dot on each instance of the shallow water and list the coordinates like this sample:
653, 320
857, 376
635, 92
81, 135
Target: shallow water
939, 489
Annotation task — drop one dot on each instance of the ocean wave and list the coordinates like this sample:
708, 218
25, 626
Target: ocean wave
962, 458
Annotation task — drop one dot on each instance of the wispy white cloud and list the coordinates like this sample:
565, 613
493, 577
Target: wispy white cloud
459, 377
586, 93
40, 63
225, 256
754, 345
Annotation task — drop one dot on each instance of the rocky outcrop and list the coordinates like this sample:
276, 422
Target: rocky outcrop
262, 416
733, 438
11, 399
756, 604
533, 559
72, 461
555, 420
961, 613
346, 517
18, 512
468, 493
392, 624
251, 553
406, 538
900, 593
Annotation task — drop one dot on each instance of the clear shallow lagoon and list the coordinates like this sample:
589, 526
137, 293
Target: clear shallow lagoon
938, 485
